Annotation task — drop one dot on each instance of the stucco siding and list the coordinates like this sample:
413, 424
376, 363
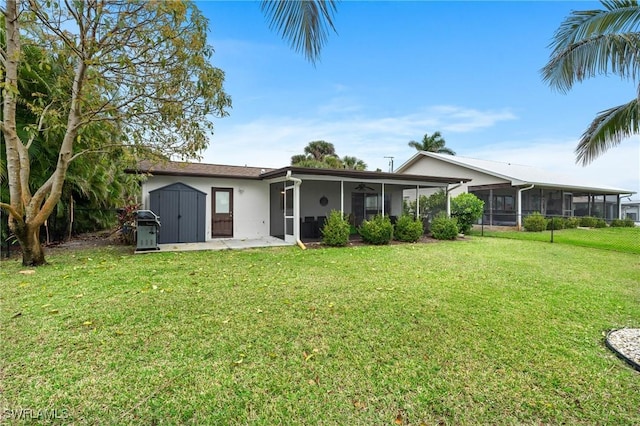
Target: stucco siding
250, 202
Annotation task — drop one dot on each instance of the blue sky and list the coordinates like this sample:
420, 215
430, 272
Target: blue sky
397, 70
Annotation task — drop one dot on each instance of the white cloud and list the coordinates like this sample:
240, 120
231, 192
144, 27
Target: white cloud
271, 141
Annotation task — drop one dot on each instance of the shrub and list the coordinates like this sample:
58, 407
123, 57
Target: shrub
378, 230
622, 223
555, 223
572, 222
127, 221
467, 209
408, 229
444, 228
600, 223
535, 223
429, 206
588, 221
336, 230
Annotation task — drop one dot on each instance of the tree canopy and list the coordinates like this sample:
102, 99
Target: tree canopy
141, 76
322, 155
599, 42
433, 143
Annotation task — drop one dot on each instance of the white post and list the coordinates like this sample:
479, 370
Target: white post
342, 198
417, 201
382, 199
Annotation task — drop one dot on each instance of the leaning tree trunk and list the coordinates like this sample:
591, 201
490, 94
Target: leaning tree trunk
29, 238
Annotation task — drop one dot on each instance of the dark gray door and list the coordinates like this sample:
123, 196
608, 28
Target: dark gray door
182, 213
166, 204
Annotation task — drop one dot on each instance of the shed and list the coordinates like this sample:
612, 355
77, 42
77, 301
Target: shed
182, 212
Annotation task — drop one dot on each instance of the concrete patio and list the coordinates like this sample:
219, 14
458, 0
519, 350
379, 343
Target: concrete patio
222, 244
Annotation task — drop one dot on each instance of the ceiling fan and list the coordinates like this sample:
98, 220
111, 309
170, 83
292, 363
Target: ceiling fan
362, 187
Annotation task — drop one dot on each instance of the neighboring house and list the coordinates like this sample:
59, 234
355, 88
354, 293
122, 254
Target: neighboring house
512, 191
631, 210
200, 202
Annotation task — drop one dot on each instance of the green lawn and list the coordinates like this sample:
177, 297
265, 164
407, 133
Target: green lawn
484, 331
619, 239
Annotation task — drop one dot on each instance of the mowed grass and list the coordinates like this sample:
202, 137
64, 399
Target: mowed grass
625, 240
483, 331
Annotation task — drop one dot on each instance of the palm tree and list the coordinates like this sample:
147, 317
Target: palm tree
353, 163
305, 23
433, 143
319, 150
595, 42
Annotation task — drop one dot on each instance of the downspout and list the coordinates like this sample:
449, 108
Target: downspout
342, 198
519, 219
296, 208
449, 198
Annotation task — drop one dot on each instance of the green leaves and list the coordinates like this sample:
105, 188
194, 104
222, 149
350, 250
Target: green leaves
433, 143
607, 130
593, 42
305, 24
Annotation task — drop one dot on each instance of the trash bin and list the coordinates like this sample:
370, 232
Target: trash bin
148, 227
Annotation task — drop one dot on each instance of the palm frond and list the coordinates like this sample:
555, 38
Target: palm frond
607, 130
445, 150
304, 23
595, 42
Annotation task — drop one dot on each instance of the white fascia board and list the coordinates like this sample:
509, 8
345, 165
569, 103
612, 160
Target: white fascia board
592, 189
380, 181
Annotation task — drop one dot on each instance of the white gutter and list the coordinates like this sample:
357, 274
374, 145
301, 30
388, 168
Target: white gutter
296, 208
449, 198
519, 218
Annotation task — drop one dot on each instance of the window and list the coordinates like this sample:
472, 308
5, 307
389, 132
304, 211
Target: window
503, 202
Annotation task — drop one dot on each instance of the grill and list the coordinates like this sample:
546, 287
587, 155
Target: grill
148, 228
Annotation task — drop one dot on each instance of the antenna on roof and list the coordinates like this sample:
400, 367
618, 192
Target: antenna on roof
390, 164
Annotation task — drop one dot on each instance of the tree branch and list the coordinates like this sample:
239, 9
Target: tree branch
40, 122
13, 212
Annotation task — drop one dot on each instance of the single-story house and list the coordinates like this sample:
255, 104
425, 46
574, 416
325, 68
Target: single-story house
512, 191
201, 202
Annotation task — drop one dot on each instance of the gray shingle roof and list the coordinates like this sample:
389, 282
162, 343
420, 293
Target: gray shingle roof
175, 168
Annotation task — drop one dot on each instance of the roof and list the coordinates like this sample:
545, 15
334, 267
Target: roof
518, 174
178, 168
174, 168
362, 175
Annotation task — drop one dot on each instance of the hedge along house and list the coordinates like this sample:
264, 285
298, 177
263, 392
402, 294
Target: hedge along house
511, 191
202, 202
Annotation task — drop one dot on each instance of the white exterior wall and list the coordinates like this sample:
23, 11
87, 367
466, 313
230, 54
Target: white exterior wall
250, 202
432, 167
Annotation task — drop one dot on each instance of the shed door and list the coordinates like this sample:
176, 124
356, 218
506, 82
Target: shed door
182, 213
222, 212
166, 204
188, 231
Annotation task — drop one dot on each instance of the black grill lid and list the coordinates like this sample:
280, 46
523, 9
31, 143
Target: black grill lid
147, 215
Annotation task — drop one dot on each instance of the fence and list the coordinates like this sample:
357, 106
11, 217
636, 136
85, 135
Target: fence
60, 228
617, 235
